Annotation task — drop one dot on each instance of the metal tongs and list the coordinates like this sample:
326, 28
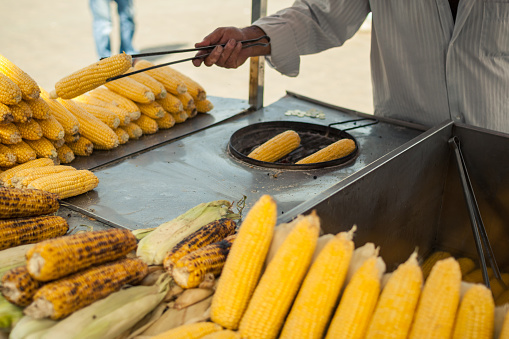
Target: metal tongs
482, 242
141, 55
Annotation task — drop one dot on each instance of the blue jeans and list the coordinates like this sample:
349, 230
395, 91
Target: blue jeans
102, 26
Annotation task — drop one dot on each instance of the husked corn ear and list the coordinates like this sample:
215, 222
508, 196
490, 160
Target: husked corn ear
23, 151
166, 121
193, 87
105, 115
55, 258
180, 117
51, 128
336, 150
276, 147
210, 233
503, 298
69, 138
67, 184
131, 89
280, 282
204, 106
436, 310
26, 176
133, 130
467, 265
187, 101
147, 124
43, 148
190, 331
244, 264
30, 130
430, 261
91, 127
164, 75
21, 112
475, 276
92, 76
7, 157
6, 176
29, 230
18, 287
10, 94
122, 135
82, 147
320, 290
5, 114
123, 115
65, 154
40, 108
117, 99
27, 85
60, 298
191, 113
476, 313
15, 203
171, 103
496, 286
152, 110
58, 143
62, 114
155, 86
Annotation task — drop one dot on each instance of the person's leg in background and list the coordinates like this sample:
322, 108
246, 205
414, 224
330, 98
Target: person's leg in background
127, 26
101, 15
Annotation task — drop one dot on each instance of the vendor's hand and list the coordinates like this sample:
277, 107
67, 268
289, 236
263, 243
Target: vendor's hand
232, 55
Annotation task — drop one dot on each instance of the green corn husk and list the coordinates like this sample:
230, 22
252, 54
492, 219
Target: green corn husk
153, 247
9, 313
13, 257
30, 328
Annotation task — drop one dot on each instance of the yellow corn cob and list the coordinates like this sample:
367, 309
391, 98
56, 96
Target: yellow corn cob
395, 309
10, 94
152, 110
180, 117
436, 310
187, 101
133, 130
357, 304
18, 287
91, 77
475, 317
5, 114
60, 298
190, 331
204, 106
15, 203
496, 286
55, 258
339, 149
30, 130
503, 298
27, 85
91, 127
276, 147
58, 143
82, 147
121, 112
164, 75
430, 261
67, 184
155, 86
131, 89
21, 112
7, 157
244, 264
117, 99
223, 334
6, 176
147, 124
62, 114
40, 108
51, 128
65, 154
476, 277
122, 135
320, 290
43, 148
191, 113
105, 115
171, 103
166, 121
467, 265
193, 88
210, 233
26, 176
23, 151
69, 138
29, 230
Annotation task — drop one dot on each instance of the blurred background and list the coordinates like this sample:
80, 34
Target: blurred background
51, 39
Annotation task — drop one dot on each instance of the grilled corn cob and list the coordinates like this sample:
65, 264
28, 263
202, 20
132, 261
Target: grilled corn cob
6, 176
21, 112
68, 121
23, 151
190, 331
91, 77
118, 100
10, 94
276, 147
22, 231
5, 114
40, 108
56, 258
164, 75
166, 122
18, 286
82, 147
131, 89
16, 202
9, 134
65, 154
51, 128
171, 103
155, 86
475, 315
24, 177
7, 157
336, 150
66, 184
43, 148
60, 298
27, 85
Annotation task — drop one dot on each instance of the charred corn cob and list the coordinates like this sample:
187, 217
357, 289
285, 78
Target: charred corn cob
51, 128
21, 231
123, 115
66, 184
19, 287
16, 202
164, 75
430, 261
23, 151
21, 112
62, 114
91, 77
60, 298
133, 130
280, 282
82, 147
171, 103
436, 310
7, 157
40, 108
30, 130
155, 86
105, 115
117, 99
56, 258
320, 290
152, 110
208, 234
5, 114
131, 89
27, 85
166, 121
6, 176
276, 147
475, 315
244, 265
10, 94
204, 106
190, 331
339, 149
9, 134
147, 124
65, 154
43, 148
26, 176
122, 135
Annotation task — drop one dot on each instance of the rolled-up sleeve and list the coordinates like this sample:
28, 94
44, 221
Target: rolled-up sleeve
310, 27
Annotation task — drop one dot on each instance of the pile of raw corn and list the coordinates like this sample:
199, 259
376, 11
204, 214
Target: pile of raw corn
85, 113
